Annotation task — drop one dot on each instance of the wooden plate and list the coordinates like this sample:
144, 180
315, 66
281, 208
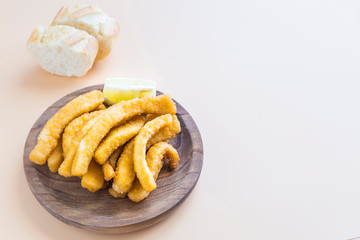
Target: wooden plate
68, 201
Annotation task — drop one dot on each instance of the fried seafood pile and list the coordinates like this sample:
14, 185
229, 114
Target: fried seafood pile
124, 145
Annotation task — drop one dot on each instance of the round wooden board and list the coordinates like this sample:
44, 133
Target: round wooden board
68, 201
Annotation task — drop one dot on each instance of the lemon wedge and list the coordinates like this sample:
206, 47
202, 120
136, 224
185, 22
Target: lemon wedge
123, 89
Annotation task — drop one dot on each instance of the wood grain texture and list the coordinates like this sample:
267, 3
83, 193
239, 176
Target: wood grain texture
65, 199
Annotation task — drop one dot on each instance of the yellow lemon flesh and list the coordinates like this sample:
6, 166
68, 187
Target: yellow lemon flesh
123, 89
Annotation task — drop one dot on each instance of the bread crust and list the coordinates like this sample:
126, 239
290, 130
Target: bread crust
115, 30
75, 37
99, 25
91, 48
63, 50
34, 35
83, 12
61, 13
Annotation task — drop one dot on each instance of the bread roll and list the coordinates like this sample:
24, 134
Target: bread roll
92, 20
63, 50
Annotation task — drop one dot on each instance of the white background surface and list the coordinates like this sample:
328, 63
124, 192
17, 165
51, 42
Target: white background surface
273, 86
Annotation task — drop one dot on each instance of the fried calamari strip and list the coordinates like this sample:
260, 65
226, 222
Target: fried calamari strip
150, 117
142, 170
108, 170
73, 128
125, 173
117, 137
114, 115
50, 134
93, 180
155, 160
101, 107
65, 167
56, 158
110, 164
116, 194
137, 193
166, 132
114, 157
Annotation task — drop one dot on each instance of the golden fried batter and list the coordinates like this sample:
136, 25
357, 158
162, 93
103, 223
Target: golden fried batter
114, 115
155, 160
150, 117
116, 194
165, 133
108, 170
101, 107
114, 157
65, 167
50, 134
110, 164
125, 173
137, 193
73, 128
117, 137
56, 158
93, 180
142, 170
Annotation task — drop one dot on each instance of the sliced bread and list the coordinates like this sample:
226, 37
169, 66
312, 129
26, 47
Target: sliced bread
92, 20
63, 50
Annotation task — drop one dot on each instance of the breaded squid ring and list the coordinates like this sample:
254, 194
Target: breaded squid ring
114, 115
73, 128
50, 134
117, 137
110, 164
56, 158
142, 170
93, 180
155, 160
65, 167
